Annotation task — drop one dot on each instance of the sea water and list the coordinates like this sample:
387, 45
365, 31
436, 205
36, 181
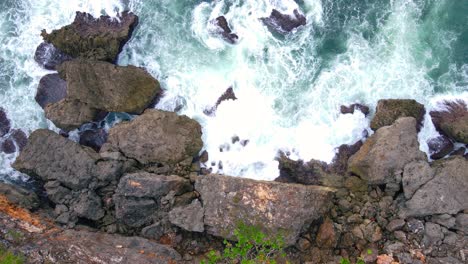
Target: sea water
289, 88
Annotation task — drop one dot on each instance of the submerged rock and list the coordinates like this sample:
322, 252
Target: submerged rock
91, 38
51, 89
453, 120
283, 23
351, 108
226, 32
389, 110
383, 156
49, 57
15, 141
277, 208
93, 138
227, 95
440, 147
4, 123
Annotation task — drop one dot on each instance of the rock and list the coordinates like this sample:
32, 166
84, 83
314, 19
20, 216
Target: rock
396, 224
440, 147
70, 114
227, 95
49, 57
382, 157
277, 208
8, 146
154, 231
389, 110
445, 220
134, 212
4, 123
91, 38
283, 23
93, 138
351, 108
19, 196
157, 137
51, 89
459, 152
339, 163
461, 223
415, 175
309, 173
326, 236
443, 194
452, 121
19, 137
49, 156
415, 226
188, 217
226, 31
400, 235
89, 206
108, 87
433, 233
57, 193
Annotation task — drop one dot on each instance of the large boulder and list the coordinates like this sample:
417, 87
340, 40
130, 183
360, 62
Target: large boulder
383, 156
389, 110
69, 114
108, 87
19, 196
49, 56
157, 137
444, 193
452, 120
50, 156
284, 23
91, 38
277, 208
51, 89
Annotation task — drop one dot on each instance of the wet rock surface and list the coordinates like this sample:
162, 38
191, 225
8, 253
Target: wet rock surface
226, 31
452, 120
51, 89
389, 110
440, 147
93, 138
49, 57
284, 23
4, 123
353, 107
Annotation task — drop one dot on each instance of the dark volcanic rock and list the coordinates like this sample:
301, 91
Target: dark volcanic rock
69, 114
351, 108
51, 89
282, 23
275, 207
188, 217
440, 147
339, 163
226, 32
89, 206
91, 38
453, 120
227, 95
309, 173
49, 56
8, 146
16, 140
19, 196
4, 123
389, 110
94, 138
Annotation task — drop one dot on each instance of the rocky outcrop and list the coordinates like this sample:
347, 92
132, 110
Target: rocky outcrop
49, 57
91, 38
51, 89
389, 110
226, 31
69, 114
284, 23
444, 192
278, 208
383, 156
157, 137
453, 120
19, 196
440, 147
351, 108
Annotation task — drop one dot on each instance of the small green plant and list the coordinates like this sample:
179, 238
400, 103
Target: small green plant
7, 257
346, 261
252, 247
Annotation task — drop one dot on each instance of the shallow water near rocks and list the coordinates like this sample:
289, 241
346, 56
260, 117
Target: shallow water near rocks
289, 88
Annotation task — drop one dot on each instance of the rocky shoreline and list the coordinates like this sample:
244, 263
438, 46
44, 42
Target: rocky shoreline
138, 192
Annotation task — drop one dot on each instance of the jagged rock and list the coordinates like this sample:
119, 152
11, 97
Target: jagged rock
89, 206
440, 147
433, 233
16, 140
283, 23
444, 220
57, 193
51, 89
226, 31
389, 110
309, 173
91, 38
415, 175
50, 156
137, 195
227, 95
49, 57
339, 163
445, 193
19, 196
382, 157
351, 108
157, 137
326, 236
70, 114
453, 120
461, 222
108, 87
275, 207
4, 123
93, 138
188, 217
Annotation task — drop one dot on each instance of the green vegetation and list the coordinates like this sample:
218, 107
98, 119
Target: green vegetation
7, 257
252, 247
346, 261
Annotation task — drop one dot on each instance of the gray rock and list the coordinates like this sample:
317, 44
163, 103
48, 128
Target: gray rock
383, 156
154, 231
415, 175
69, 114
51, 89
462, 223
400, 235
444, 220
157, 137
277, 208
134, 212
396, 224
393, 248
445, 193
50, 156
89, 206
433, 233
444, 260
56, 193
19, 196
188, 217
415, 226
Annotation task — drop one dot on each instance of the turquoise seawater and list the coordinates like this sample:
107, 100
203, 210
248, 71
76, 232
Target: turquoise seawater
289, 88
